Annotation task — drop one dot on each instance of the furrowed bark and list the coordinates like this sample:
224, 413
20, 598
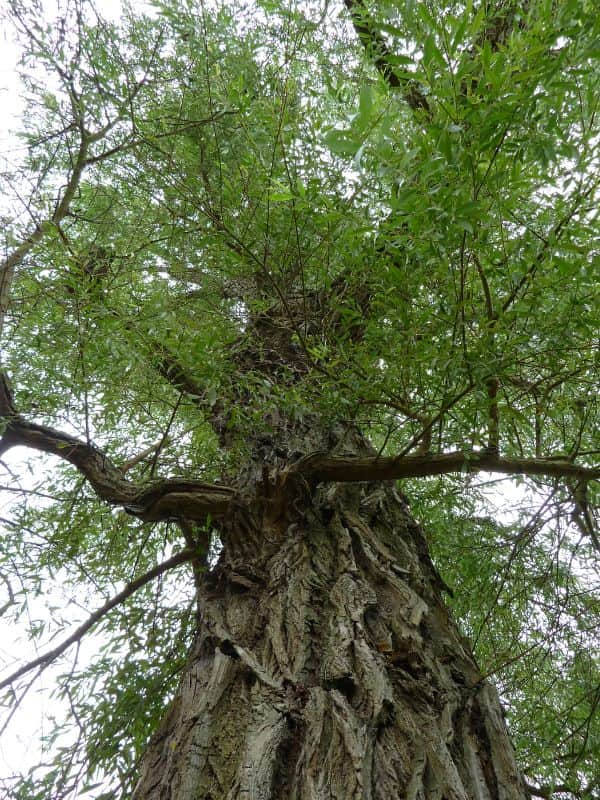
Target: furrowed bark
326, 665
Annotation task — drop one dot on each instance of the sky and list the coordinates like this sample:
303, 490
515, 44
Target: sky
16, 740
10, 103
20, 744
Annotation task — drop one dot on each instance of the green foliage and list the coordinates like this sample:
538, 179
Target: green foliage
527, 597
246, 160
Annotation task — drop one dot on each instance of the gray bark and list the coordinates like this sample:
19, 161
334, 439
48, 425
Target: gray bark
326, 665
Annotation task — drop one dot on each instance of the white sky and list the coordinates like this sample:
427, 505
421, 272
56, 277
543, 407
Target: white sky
20, 745
17, 740
10, 103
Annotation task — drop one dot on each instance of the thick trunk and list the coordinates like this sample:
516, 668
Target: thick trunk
326, 666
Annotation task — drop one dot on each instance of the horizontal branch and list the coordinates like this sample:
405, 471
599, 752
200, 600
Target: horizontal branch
180, 498
47, 658
345, 469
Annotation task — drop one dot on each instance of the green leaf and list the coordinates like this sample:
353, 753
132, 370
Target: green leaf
293, 255
397, 59
466, 225
341, 142
431, 53
459, 32
280, 194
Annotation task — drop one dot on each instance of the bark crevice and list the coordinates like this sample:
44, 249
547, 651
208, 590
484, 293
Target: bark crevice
330, 669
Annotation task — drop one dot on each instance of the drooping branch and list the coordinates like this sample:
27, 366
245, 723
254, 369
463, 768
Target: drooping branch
169, 498
50, 656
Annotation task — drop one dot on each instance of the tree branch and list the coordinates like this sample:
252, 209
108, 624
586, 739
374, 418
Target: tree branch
344, 469
169, 498
47, 658
500, 23
169, 367
143, 455
525, 280
9, 265
378, 50
547, 792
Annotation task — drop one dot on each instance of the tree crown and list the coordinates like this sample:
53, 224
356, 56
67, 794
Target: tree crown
229, 220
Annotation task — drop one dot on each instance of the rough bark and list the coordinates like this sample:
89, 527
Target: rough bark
326, 665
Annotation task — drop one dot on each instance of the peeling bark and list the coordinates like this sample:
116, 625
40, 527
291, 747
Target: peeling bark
326, 665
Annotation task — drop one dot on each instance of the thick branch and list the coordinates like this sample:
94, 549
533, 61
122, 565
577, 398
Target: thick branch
171, 498
325, 467
51, 655
164, 499
379, 52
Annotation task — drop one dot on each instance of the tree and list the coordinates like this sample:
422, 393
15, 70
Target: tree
265, 262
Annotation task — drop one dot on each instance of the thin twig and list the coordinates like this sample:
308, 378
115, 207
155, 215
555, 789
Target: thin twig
50, 656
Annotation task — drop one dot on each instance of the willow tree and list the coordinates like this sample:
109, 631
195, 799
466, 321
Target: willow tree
272, 272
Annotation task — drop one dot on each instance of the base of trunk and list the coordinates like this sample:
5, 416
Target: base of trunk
326, 666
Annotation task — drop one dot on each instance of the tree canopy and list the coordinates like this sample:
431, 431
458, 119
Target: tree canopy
405, 197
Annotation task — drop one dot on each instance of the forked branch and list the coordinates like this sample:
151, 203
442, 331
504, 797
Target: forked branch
178, 498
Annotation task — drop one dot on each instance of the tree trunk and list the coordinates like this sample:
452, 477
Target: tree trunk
326, 665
